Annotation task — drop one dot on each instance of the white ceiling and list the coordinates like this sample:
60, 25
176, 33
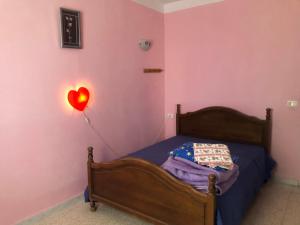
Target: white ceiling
167, 6
168, 1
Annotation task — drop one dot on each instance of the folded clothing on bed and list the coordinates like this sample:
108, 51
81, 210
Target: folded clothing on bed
216, 156
213, 155
197, 175
194, 162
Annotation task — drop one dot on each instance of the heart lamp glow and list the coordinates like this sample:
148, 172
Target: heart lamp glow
79, 99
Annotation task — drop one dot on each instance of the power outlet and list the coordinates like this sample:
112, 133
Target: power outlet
170, 116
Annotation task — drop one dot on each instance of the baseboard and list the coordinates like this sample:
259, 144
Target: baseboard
58, 207
290, 182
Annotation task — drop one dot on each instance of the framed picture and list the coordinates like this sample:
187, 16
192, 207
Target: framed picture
70, 28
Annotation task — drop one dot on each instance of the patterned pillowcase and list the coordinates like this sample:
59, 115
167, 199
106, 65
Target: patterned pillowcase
213, 155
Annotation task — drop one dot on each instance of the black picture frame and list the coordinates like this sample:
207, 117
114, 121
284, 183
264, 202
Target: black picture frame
70, 28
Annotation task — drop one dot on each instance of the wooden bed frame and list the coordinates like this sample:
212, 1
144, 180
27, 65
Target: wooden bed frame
146, 190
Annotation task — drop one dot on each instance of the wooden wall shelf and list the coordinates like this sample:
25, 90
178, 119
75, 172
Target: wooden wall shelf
152, 70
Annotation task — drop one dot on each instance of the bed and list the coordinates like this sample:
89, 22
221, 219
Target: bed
138, 185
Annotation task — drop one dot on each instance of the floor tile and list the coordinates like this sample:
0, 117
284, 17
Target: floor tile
276, 204
269, 206
296, 190
292, 212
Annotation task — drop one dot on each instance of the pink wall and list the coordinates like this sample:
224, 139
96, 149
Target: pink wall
43, 144
241, 54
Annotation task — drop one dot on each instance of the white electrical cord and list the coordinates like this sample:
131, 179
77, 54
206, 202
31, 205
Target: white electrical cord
87, 119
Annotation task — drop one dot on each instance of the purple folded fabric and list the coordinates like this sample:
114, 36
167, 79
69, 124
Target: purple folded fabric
197, 175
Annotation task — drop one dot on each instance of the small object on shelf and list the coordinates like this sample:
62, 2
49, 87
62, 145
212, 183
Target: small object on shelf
150, 70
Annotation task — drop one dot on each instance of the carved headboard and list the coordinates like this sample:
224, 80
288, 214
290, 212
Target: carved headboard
225, 124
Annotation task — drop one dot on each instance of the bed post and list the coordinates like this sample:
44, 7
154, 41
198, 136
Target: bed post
212, 184
89, 167
212, 193
268, 133
178, 112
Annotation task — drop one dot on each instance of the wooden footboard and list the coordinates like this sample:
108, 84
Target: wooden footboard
148, 191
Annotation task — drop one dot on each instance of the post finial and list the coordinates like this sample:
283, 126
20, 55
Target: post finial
178, 109
90, 154
268, 113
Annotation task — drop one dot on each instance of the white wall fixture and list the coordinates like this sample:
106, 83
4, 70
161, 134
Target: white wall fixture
170, 116
145, 44
292, 103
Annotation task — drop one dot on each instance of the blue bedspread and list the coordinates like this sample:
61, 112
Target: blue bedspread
254, 164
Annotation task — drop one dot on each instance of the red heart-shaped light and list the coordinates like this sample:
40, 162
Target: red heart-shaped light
79, 99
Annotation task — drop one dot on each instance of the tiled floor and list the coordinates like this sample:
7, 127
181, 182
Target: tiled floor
276, 204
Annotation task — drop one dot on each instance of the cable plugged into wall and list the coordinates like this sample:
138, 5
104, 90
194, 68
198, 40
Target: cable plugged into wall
87, 120
99, 135
79, 99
